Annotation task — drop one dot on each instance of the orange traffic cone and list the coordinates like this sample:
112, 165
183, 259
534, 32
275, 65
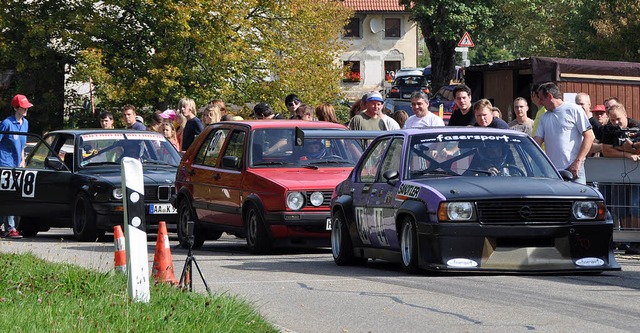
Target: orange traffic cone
119, 255
162, 263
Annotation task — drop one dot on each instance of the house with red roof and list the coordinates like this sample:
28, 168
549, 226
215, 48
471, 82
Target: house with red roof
381, 40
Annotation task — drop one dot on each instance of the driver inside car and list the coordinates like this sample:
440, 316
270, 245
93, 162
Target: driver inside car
491, 157
313, 150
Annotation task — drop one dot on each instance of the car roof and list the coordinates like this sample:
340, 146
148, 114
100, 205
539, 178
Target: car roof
282, 123
99, 130
456, 130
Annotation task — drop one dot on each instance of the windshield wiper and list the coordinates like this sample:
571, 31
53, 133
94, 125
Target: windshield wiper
98, 163
439, 172
271, 163
309, 166
331, 162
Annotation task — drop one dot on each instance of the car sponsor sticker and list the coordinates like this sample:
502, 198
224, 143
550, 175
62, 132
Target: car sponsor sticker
102, 136
407, 191
461, 262
144, 136
590, 262
23, 181
328, 225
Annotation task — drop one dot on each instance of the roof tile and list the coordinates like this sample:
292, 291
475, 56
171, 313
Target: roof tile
374, 5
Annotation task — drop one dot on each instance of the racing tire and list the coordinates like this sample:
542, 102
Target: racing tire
409, 246
258, 240
84, 220
185, 214
341, 244
28, 227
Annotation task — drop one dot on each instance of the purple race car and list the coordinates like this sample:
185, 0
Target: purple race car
468, 199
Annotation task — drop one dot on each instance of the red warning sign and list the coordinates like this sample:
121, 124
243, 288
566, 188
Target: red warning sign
466, 41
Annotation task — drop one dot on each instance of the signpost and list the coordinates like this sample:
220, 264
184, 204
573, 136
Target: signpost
135, 230
463, 46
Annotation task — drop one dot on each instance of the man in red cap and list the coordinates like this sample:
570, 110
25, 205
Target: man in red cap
12, 149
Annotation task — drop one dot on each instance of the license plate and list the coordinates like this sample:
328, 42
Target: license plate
328, 223
162, 209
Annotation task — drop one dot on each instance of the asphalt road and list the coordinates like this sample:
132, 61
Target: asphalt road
304, 291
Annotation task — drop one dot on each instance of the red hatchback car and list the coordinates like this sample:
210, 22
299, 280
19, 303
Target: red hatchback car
270, 181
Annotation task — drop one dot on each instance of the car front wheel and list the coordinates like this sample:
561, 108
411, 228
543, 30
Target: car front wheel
409, 246
341, 244
185, 214
84, 219
257, 237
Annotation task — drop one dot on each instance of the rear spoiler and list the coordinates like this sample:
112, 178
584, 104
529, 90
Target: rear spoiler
310, 133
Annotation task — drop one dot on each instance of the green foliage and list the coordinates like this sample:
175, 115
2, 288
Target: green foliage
153, 53
43, 297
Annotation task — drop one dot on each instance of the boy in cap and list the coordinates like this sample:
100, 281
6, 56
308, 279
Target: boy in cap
12, 149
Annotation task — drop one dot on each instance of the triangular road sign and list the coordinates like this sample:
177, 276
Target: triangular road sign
466, 41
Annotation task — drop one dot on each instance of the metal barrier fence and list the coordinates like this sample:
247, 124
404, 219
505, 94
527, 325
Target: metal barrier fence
619, 182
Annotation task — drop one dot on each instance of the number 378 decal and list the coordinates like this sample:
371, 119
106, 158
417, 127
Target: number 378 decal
23, 181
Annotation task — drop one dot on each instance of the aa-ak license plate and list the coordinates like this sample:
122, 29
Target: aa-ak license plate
328, 223
162, 209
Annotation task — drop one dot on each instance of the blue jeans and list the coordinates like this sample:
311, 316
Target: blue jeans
9, 222
582, 176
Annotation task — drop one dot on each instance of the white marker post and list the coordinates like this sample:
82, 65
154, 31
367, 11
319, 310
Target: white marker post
135, 230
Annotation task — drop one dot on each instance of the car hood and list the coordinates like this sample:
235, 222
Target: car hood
304, 178
479, 188
152, 176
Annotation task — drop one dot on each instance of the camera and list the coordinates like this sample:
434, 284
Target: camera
628, 133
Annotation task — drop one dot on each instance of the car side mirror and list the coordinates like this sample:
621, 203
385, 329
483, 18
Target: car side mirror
54, 163
566, 175
230, 162
391, 176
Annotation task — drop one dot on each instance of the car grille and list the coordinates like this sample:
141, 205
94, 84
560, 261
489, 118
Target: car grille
158, 193
325, 194
524, 211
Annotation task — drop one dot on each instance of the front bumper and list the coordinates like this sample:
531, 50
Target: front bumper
541, 248
109, 215
313, 228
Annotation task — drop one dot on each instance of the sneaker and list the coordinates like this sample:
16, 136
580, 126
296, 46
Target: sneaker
14, 234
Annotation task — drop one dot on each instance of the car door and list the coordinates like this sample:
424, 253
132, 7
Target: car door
225, 187
381, 202
43, 190
366, 175
202, 171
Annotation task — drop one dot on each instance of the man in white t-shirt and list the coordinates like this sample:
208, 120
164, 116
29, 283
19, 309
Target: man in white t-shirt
565, 130
422, 116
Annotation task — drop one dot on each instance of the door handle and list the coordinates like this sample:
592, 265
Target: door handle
216, 176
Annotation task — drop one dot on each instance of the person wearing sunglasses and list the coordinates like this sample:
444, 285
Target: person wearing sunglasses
292, 102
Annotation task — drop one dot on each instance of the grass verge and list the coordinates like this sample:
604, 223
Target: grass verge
38, 296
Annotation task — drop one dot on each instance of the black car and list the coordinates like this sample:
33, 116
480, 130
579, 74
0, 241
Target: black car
72, 178
404, 86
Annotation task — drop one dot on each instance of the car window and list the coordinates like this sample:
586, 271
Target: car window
40, 152
234, 148
392, 160
95, 149
476, 155
210, 149
410, 81
371, 163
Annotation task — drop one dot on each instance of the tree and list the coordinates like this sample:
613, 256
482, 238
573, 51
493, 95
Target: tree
443, 22
152, 53
240, 51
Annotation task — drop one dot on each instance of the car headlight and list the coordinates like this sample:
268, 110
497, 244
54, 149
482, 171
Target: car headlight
456, 211
588, 210
116, 193
316, 199
295, 200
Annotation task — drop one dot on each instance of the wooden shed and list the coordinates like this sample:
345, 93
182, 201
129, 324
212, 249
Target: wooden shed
503, 81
